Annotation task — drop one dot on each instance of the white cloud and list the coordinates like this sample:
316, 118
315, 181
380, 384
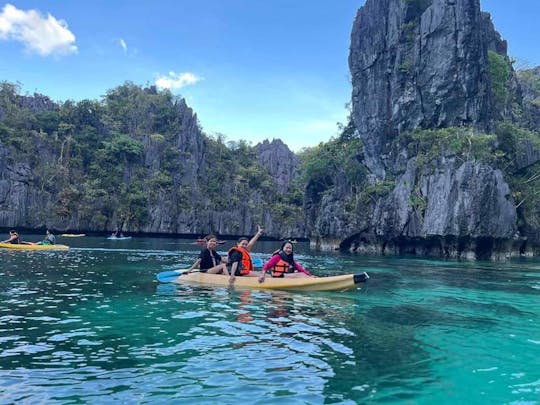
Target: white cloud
42, 35
123, 44
177, 80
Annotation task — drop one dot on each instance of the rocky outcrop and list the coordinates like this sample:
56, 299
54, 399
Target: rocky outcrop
417, 64
529, 81
279, 161
454, 211
424, 65
32, 194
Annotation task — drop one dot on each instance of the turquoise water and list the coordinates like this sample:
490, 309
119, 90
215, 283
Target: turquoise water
91, 325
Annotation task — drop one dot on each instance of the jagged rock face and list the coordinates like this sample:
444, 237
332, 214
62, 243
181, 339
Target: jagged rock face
37, 103
460, 199
492, 38
529, 80
13, 189
24, 203
280, 162
417, 64
465, 204
467, 200
423, 64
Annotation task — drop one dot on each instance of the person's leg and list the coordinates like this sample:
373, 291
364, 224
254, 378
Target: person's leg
219, 269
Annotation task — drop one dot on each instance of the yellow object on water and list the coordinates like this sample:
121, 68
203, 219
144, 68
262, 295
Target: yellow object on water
22, 246
73, 235
333, 283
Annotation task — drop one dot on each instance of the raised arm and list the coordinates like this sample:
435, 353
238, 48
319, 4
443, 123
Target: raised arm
254, 238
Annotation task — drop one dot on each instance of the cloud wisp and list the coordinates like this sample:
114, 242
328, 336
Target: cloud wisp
42, 35
123, 45
176, 80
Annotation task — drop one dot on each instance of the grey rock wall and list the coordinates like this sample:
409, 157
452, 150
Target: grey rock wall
423, 65
279, 161
416, 68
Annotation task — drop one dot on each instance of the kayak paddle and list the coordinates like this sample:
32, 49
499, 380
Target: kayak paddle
170, 276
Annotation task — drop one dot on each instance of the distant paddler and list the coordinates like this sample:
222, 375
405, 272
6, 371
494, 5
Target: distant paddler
14, 238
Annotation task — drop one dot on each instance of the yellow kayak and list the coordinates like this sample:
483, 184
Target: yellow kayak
22, 246
333, 283
73, 235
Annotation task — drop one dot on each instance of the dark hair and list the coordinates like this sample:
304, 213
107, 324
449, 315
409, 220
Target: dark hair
280, 250
241, 239
284, 243
210, 236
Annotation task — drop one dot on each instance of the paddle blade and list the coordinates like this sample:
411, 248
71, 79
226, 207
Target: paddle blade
169, 276
257, 262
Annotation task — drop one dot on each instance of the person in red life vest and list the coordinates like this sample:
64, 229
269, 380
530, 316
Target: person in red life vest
209, 260
240, 263
282, 263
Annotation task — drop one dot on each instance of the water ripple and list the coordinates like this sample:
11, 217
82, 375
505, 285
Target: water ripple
91, 325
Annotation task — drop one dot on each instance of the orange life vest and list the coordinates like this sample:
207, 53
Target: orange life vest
245, 265
282, 267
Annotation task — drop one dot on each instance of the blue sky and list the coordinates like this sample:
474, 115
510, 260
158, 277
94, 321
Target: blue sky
250, 69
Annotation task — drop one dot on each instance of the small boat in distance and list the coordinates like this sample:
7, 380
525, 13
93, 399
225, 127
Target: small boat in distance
73, 235
119, 237
202, 242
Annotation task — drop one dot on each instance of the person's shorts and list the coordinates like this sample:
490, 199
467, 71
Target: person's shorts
236, 273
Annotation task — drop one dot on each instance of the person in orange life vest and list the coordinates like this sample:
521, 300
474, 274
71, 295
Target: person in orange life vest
282, 263
239, 258
209, 260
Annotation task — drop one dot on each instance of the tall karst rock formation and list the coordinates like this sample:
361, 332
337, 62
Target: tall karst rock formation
419, 66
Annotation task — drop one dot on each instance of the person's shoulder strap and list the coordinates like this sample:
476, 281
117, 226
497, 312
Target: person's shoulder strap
285, 257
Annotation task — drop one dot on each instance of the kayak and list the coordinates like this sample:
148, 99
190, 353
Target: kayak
73, 235
119, 237
22, 246
332, 283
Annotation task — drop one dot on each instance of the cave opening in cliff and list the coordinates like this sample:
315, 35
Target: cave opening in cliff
484, 248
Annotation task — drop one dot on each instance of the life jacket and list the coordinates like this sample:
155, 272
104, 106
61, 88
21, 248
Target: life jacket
245, 265
283, 266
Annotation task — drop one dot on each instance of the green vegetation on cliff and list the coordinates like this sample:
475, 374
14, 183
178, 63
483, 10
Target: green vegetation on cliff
109, 162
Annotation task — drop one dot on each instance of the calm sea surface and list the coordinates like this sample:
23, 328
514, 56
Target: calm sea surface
91, 325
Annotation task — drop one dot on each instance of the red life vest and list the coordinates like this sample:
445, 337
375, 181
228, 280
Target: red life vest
282, 267
245, 265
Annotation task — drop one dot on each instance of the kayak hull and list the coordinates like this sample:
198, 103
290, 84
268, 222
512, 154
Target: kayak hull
333, 283
73, 235
119, 237
23, 246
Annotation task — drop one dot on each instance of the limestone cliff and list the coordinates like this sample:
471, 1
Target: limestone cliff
141, 166
426, 65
